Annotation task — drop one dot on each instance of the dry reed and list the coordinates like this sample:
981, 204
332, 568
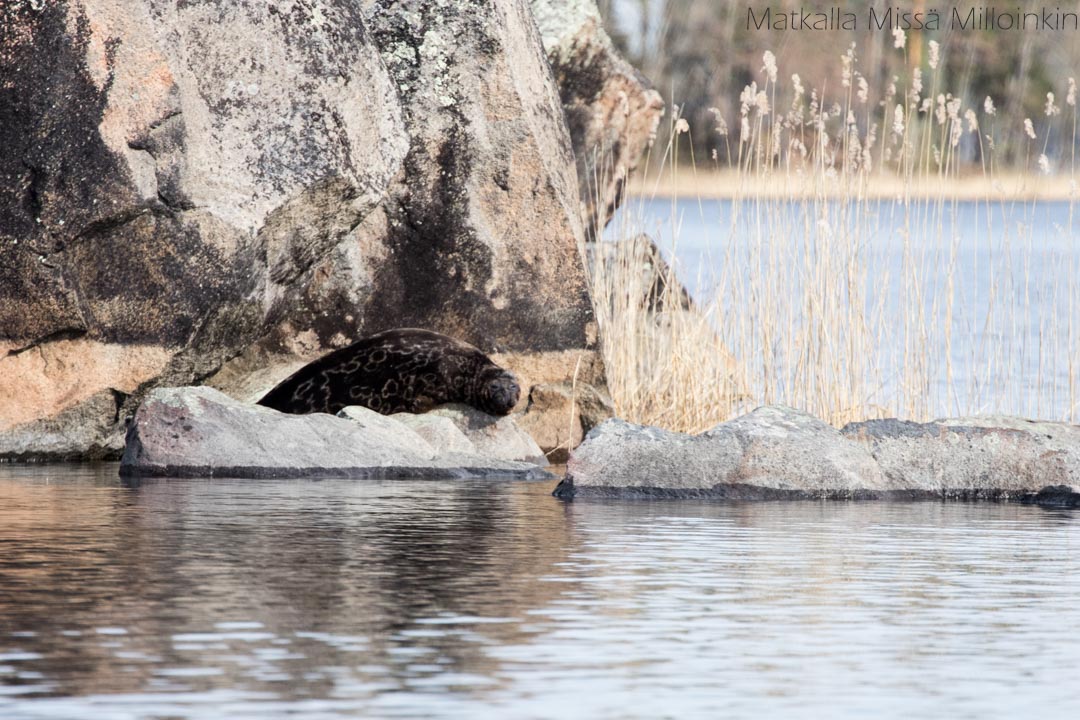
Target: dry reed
823, 296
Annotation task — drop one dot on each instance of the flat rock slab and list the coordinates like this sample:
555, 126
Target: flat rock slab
992, 457
200, 432
781, 453
773, 452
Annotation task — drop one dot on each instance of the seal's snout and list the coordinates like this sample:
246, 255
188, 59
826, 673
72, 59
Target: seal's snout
502, 394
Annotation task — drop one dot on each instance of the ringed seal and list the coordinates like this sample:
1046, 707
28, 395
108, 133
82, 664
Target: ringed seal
402, 370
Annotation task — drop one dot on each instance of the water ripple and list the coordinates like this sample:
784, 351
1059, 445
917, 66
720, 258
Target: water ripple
334, 599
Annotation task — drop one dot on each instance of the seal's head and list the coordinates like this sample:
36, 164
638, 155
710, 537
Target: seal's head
498, 392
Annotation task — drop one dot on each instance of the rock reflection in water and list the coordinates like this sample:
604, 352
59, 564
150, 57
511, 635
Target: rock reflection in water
203, 584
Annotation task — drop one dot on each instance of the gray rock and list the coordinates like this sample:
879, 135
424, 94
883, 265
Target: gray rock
440, 432
620, 458
770, 453
991, 457
495, 437
777, 452
611, 110
792, 450
200, 432
84, 431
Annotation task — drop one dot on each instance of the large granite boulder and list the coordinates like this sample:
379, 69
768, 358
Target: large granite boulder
612, 111
773, 452
215, 192
169, 172
480, 239
200, 432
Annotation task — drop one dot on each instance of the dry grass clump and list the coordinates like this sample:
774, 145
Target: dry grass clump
824, 296
665, 363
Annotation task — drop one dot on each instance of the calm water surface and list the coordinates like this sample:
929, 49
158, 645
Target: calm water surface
332, 599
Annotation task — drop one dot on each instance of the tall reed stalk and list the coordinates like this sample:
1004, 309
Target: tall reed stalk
845, 277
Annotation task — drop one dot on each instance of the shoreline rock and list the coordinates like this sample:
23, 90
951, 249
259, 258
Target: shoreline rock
775, 449
200, 432
88, 430
1005, 453
778, 453
167, 185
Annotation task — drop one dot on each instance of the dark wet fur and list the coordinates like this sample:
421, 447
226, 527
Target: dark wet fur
404, 370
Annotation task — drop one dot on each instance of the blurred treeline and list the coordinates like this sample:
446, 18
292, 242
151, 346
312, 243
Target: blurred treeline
700, 55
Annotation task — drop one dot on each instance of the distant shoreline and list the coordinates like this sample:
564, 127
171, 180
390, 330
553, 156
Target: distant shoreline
712, 184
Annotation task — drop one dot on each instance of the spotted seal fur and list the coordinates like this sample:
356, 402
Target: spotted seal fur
402, 370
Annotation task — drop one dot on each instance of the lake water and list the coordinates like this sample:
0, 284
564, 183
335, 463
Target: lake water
334, 599
974, 306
